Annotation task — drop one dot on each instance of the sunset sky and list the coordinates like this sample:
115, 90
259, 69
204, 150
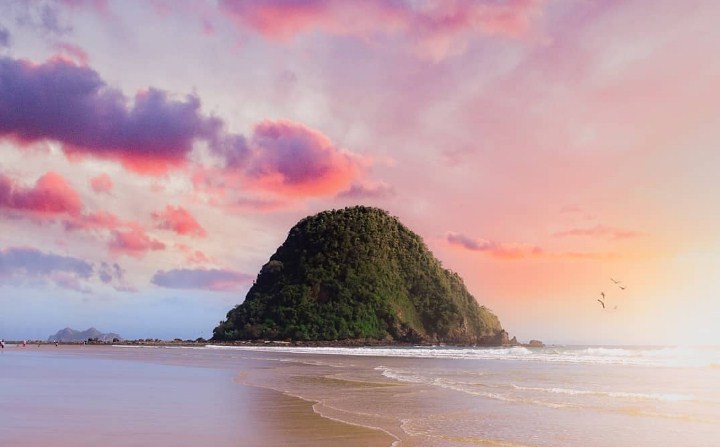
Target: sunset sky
154, 154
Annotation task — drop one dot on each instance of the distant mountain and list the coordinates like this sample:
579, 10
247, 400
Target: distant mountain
359, 273
68, 334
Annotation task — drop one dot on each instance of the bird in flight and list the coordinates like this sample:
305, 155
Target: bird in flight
603, 294
602, 302
618, 283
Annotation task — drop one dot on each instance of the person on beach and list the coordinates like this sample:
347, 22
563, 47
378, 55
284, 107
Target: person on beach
2, 343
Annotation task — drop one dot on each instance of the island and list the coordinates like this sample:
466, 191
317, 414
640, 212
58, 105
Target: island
69, 335
359, 276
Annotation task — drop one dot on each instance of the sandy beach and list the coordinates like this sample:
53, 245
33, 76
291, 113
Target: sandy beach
95, 395
401, 397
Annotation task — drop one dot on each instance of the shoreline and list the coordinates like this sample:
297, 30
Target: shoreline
253, 415
297, 422
349, 343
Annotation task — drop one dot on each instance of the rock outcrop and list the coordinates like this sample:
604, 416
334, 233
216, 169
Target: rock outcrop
359, 274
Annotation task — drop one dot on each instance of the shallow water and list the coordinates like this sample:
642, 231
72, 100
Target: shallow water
554, 396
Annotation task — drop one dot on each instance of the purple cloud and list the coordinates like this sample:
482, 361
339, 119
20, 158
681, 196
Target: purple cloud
61, 101
495, 249
292, 159
32, 262
4, 37
19, 263
114, 275
206, 279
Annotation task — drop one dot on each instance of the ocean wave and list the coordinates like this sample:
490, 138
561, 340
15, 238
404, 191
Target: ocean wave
471, 389
642, 356
667, 397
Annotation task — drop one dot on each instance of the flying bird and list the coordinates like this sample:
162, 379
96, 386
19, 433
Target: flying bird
603, 294
615, 281
622, 287
601, 302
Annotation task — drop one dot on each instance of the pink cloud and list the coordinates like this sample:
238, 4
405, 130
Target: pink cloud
50, 195
134, 242
291, 159
511, 252
495, 249
599, 231
102, 183
192, 255
283, 20
437, 28
179, 220
74, 52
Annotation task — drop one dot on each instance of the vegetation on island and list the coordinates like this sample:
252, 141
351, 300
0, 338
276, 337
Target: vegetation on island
358, 273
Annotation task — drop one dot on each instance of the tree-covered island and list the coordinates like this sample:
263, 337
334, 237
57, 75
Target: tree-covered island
358, 274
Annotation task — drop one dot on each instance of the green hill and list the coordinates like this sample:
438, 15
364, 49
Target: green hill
358, 273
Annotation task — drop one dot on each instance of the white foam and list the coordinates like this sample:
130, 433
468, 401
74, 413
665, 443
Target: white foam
618, 394
667, 357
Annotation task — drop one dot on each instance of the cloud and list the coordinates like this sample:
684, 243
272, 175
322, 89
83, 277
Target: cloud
33, 262
102, 183
50, 195
205, 279
179, 220
599, 231
494, 249
504, 251
46, 17
72, 52
97, 220
114, 275
134, 242
436, 28
125, 237
243, 204
70, 104
64, 102
368, 191
291, 159
28, 263
4, 37
193, 255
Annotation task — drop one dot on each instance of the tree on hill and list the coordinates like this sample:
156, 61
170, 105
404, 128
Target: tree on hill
358, 273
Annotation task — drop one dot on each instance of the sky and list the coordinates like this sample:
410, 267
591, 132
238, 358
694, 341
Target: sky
154, 154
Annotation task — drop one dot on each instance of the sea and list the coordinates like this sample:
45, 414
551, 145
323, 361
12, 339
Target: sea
553, 396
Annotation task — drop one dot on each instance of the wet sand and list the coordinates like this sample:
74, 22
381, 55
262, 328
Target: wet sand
89, 395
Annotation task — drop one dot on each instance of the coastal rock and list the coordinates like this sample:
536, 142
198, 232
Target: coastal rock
535, 344
359, 274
